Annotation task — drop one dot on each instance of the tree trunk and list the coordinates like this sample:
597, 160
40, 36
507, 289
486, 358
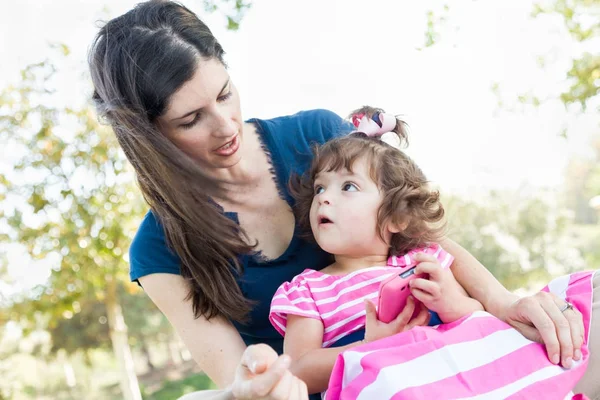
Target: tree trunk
63, 359
146, 352
118, 337
174, 353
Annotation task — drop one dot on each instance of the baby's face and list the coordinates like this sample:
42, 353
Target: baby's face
343, 214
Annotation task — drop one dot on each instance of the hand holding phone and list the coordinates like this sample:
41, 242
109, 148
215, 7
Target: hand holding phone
393, 293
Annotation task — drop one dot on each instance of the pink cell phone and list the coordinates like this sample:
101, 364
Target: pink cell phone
393, 293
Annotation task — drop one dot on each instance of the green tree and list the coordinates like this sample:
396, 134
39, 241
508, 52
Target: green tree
72, 202
581, 19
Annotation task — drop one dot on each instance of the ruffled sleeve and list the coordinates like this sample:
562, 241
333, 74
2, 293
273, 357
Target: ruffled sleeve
293, 298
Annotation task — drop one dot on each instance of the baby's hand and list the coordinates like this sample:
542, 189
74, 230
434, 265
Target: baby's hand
441, 292
375, 329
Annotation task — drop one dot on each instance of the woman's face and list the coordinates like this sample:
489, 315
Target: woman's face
204, 119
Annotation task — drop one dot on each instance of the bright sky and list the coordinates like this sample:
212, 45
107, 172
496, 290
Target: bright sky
340, 54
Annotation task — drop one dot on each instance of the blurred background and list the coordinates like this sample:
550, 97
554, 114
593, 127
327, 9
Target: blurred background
501, 97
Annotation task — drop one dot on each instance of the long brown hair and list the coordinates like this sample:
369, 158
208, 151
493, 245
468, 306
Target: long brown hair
407, 200
137, 62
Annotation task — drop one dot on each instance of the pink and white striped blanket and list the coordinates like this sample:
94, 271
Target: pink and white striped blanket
477, 357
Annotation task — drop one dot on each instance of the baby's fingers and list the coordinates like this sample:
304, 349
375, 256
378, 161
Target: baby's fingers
421, 319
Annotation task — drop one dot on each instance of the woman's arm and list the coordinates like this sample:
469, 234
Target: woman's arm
537, 317
252, 373
479, 283
215, 345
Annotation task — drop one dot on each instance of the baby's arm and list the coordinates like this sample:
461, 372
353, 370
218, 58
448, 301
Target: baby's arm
310, 362
441, 292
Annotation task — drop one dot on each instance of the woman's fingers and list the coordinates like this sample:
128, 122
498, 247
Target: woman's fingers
248, 386
562, 328
528, 309
258, 357
284, 389
575, 319
301, 390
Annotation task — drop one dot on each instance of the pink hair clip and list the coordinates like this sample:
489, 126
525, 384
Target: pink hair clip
379, 125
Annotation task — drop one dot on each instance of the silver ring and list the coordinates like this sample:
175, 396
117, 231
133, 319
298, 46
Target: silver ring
567, 306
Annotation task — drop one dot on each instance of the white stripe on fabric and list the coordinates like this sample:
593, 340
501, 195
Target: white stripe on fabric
345, 278
279, 324
437, 252
295, 289
559, 286
449, 360
352, 288
352, 365
285, 309
515, 387
446, 261
303, 300
352, 303
319, 279
345, 321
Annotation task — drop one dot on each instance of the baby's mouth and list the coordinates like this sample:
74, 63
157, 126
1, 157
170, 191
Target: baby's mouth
325, 220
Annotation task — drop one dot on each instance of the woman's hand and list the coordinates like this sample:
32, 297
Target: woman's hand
262, 375
539, 318
375, 329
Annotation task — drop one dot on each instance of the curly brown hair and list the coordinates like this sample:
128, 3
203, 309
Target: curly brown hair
407, 202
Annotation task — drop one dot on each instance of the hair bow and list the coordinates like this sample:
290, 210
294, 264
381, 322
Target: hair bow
379, 125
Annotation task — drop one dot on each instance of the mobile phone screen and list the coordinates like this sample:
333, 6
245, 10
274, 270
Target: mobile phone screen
408, 273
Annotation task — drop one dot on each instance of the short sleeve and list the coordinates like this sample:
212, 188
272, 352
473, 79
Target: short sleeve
292, 298
321, 125
444, 258
149, 252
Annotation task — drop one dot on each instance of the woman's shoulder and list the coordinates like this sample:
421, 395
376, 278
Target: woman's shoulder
307, 126
149, 252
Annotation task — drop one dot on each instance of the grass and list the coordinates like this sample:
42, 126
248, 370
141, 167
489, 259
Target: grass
171, 390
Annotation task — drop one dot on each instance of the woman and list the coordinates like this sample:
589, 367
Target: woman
220, 236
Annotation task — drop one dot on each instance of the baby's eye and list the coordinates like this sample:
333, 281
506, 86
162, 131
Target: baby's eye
319, 189
349, 187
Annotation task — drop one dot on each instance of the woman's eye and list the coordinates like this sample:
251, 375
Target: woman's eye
319, 189
192, 122
349, 187
224, 97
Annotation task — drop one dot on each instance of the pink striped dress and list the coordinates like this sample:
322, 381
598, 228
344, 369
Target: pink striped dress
338, 300
477, 357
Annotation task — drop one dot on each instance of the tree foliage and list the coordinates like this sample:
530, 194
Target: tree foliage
522, 241
581, 18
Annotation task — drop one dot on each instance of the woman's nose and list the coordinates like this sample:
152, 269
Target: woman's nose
224, 125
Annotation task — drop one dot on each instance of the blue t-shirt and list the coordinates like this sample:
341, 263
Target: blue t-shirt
288, 140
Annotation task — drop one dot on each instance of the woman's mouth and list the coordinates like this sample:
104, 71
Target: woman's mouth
229, 148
